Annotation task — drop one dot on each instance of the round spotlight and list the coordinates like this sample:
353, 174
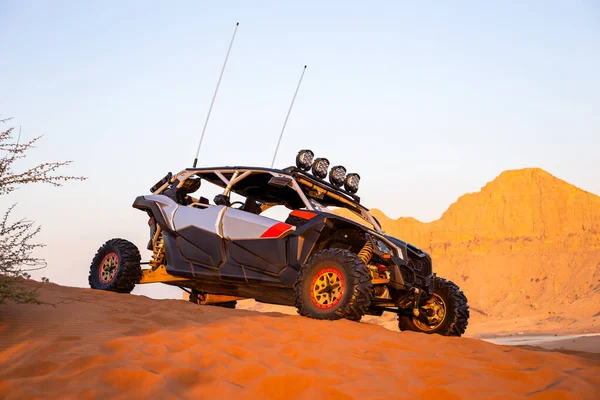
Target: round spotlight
351, 183
337, 175
319, 167
304, 159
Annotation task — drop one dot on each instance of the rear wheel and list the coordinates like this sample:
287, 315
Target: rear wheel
445, 313
335, 284
116, 267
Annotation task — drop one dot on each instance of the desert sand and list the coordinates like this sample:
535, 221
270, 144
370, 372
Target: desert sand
95, 344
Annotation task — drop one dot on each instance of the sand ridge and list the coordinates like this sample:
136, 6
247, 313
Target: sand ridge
95, 344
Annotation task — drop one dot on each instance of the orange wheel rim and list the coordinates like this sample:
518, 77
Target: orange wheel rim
327, 288
108, 268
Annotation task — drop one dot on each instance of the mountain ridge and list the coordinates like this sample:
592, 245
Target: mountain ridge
510, 173
528, 202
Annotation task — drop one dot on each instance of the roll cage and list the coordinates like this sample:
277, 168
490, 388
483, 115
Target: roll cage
290, 187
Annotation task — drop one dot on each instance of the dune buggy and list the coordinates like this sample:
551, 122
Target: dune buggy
329, 257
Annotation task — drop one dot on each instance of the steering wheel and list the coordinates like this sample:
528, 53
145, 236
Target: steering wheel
236, 202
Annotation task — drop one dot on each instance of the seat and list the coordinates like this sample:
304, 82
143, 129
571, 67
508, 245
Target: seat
202, 203
251, 206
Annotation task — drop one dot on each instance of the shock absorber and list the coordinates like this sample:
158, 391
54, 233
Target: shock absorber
366, 252
158, 249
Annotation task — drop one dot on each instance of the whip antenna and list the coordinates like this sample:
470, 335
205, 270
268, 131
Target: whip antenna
215, 95
287, 116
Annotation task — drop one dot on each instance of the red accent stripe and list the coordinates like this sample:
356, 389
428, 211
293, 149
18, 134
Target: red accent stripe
276, 230
303, 214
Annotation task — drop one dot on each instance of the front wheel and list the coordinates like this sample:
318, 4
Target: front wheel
445, 313
116, 267
335, 284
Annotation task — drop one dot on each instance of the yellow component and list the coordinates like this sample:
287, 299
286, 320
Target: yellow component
366, 253
380, 281
158, 247
217, 298
328, 288
158, 274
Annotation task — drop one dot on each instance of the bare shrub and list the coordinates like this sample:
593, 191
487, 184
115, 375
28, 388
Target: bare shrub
16, 238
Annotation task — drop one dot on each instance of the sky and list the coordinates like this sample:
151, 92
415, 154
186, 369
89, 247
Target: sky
427, 101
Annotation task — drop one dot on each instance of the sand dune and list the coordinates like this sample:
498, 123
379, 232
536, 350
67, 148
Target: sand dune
94, 344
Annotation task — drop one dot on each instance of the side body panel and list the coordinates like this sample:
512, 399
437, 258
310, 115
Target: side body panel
208, 219
242, 225
256, 244
220, 245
